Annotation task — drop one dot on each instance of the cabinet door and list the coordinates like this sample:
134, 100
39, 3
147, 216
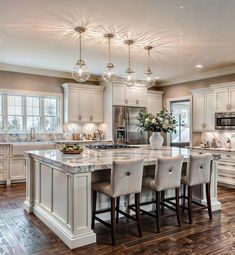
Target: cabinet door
210, 111
221, 100
198, 112
119, 94
232, 99
154, 104
97, 108
73, 106
84, 105
17, 169
131, 96
141, 97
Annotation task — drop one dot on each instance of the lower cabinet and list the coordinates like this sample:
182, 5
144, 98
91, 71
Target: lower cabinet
226, 172
17, 169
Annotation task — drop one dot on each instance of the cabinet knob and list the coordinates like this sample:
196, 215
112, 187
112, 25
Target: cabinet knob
91, 118
126, 101
79, 117
137, 101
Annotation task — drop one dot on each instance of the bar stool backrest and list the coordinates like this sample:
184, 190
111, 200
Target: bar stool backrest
199, 169
126, 177
168, 173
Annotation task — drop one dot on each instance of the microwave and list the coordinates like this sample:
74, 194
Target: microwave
225, 121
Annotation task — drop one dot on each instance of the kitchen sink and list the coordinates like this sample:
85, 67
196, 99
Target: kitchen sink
19, 148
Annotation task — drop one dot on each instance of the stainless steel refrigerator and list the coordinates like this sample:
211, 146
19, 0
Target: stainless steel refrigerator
126, 125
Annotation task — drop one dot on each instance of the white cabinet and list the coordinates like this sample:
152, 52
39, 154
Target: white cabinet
154, 102
83, 103
17, 169
225, 97
129, 96
204, 111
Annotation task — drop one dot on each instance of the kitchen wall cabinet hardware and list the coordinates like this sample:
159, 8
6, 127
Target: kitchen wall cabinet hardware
129, 96
83, 103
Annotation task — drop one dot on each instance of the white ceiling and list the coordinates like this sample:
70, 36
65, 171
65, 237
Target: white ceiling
39, 33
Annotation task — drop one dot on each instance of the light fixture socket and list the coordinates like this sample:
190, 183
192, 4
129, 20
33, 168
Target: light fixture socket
80, 29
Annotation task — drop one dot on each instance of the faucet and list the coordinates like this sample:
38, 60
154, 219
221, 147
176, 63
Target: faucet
32, 134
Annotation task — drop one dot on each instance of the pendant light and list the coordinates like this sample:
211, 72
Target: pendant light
108, 75
80, 70
149, 81
129, 77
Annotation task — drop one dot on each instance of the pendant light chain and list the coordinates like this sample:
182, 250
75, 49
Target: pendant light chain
80, 45
109, 50
129, 53
148, 58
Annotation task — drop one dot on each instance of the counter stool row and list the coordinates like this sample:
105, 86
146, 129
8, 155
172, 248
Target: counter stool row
127, 178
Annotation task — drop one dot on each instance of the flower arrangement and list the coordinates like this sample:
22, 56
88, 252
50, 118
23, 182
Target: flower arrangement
161, 122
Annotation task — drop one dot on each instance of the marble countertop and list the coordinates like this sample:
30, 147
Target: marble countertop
55, 142
212, 149
91, 160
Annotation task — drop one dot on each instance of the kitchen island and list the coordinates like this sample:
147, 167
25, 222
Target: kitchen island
58, 189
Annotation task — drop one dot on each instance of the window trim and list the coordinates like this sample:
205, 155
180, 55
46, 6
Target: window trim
24, 94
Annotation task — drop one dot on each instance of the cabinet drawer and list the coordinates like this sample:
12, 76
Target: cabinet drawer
3, 175
3, 164
229, 157
3, 156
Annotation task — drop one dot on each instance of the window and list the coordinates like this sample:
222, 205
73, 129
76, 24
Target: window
33, 113
15, 113
50, 114
20, 113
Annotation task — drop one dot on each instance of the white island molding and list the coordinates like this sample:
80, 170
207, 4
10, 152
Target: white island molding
59, 187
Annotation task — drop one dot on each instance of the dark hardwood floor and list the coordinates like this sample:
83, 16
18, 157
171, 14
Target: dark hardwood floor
21, 233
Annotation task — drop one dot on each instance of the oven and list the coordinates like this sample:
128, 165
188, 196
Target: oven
225, 121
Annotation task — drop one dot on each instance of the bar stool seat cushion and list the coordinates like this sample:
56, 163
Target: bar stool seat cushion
184, 179
149, 182
103, 187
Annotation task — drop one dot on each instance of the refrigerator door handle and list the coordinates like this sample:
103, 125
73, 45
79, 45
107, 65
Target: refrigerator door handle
127, 127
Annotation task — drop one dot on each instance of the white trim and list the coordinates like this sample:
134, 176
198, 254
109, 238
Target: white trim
82, 86
169, 100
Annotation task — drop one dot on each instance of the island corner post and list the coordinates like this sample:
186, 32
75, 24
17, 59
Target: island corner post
61, 197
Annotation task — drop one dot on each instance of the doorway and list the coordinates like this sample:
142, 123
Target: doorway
181, 109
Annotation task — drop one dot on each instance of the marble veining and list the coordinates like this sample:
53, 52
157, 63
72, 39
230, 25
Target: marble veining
91, 160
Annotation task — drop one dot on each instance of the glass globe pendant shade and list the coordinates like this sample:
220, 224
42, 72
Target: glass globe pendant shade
149, 81
109, 75
130, 78
80, 71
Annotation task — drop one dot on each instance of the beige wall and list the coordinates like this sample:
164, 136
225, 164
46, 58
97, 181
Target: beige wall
184, 89
21, 81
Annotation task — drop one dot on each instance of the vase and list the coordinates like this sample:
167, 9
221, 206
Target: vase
156, 140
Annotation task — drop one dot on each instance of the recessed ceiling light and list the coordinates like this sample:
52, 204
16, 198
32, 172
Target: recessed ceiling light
181, 7
156, 78
199, 66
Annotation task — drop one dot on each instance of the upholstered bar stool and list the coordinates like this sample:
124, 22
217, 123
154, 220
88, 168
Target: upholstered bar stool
126, 178
198, 172
167, 176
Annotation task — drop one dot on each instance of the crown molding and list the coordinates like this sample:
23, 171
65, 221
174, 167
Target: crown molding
199, 76
40, 71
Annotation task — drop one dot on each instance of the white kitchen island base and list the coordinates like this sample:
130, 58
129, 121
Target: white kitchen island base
58, 188
62, 201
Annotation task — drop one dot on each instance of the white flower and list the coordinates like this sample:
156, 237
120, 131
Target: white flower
154, 121
147, 120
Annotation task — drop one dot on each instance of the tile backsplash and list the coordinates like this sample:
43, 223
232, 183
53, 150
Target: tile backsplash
219, 138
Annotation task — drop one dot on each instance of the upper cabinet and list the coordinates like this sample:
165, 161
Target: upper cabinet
203, 110
225, 97
83, 103
154, 101
129, 96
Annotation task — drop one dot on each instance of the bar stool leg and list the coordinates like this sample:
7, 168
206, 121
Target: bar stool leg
208, 198
93, 209
138, 216
190, 204
117, 209
113, 219
158, 211
184, 195
177, 206
162, 199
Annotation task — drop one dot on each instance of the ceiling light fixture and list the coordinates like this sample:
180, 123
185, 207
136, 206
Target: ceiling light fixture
199, 66
130, 78
108, 75
80, 70
148, 74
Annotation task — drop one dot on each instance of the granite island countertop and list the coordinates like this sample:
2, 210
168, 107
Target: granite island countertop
219, 149
92, 160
